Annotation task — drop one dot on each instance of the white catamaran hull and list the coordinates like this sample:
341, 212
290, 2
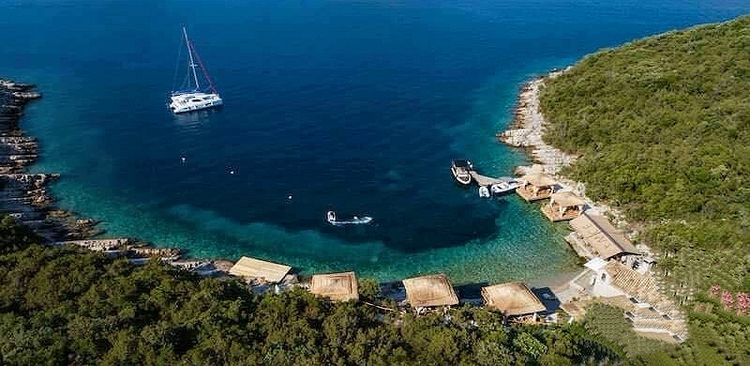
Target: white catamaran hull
191, 96
190, 102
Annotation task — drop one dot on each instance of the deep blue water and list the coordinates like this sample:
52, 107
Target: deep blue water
356, 106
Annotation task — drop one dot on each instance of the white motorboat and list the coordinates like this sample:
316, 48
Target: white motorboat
504, 187
331, 218
192, 97
461, 170
484, 192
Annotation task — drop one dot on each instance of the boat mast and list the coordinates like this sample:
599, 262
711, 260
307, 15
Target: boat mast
192, 62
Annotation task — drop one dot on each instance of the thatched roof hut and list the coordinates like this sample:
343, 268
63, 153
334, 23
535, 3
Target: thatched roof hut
603, 239
536, 186
257, 269
538, 180
563, 206
430, 291
512, 299
566, 199
335, 286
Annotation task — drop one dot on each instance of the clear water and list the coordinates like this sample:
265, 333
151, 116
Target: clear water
356, 106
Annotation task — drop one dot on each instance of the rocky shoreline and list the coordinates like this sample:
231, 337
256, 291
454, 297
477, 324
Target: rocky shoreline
24, 196
527, 129
527, 132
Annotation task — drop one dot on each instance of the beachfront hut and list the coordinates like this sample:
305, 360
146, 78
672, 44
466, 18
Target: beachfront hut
536, 186
563, 206
596, 237
513, 299
430, 291
335, 286
259, 270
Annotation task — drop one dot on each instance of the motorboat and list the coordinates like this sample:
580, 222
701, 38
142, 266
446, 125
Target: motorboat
461, 170
484, 192
191, 96
355, 220
504, 187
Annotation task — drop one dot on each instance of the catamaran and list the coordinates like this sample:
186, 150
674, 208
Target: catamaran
191, 97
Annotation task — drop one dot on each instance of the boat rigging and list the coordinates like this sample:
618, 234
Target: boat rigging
191, 97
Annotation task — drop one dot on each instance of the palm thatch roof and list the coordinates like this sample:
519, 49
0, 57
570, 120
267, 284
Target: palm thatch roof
539, 180
566, 199
335, 286
599, 234
512, 299
258, 269
430, 291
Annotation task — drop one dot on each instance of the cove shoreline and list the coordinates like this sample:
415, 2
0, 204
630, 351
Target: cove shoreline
59, 226
25, 197
526, 131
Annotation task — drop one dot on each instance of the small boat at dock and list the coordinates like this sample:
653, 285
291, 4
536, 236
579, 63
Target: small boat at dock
498, 189
503, 187
331, 218
461, 170
484, 192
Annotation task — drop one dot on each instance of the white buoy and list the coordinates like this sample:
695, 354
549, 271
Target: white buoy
183, 159
231, 172
289, 197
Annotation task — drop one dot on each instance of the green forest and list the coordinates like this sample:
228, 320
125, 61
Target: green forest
62, 306
662, 130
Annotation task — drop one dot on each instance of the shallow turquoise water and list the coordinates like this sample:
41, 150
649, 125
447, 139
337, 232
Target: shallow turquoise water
352, 106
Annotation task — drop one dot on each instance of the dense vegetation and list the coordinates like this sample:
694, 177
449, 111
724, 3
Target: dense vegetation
64, 306
662, 128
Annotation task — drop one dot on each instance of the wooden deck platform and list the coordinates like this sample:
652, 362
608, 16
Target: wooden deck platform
563, 206
554, 215
528, 194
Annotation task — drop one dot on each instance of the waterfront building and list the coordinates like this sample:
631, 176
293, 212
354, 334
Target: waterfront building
335, 286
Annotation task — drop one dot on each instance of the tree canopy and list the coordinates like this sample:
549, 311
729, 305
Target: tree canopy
66, 306
662, 126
